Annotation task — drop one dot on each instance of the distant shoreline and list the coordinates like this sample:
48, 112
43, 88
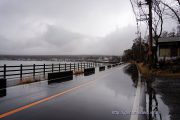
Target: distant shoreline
63, 58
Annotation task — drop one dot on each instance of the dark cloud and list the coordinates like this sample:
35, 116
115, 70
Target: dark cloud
60, 41
59, 36
119, 40
65, 26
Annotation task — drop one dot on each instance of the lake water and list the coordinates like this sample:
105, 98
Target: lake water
16, 62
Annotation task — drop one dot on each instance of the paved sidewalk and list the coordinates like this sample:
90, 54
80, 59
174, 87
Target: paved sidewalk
167, 92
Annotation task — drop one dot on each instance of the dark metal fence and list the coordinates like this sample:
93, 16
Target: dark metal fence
11, 72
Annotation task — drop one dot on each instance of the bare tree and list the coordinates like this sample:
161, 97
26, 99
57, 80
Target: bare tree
158, 10
141, 13
172, 9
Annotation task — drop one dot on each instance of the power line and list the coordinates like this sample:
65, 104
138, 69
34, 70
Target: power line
138, 31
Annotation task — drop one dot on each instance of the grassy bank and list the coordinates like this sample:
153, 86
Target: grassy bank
145, 71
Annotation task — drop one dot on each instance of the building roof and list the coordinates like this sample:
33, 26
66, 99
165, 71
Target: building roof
169, 39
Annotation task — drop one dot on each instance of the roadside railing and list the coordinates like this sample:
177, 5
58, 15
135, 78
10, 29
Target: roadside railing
20, 71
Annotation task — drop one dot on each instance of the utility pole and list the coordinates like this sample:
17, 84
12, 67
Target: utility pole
140, 47
150, 53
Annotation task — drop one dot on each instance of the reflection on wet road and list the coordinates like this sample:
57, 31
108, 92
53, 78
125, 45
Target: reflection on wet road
93, 97
165, 98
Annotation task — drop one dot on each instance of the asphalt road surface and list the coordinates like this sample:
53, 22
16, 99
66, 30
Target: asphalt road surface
106, 95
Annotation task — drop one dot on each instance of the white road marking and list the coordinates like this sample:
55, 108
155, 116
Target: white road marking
135, 109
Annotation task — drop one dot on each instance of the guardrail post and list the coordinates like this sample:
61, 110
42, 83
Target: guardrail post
4, 71
70, 67
21, 71
84, 65
81, 65
44, 70
65, 66
59, 67
74, 66
52, 68
34, 67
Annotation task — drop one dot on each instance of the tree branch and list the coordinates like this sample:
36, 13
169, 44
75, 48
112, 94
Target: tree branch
175, 12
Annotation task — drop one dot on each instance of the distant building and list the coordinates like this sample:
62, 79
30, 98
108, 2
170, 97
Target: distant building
168, 48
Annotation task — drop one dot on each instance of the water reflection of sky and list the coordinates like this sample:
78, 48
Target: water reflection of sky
115, 92
167, 93
16, 62
112, 93
120, 89
163, 108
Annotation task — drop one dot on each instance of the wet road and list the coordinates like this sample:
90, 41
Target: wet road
95, 97
166, 99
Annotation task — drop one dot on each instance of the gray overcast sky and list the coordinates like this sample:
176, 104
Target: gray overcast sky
66, 26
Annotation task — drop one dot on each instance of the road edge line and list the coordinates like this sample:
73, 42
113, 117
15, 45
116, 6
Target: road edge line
135, 109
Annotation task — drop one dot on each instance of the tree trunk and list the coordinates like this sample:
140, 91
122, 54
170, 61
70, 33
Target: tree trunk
155, 51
